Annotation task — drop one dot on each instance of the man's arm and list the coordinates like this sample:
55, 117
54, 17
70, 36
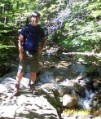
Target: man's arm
42, 44
20, 48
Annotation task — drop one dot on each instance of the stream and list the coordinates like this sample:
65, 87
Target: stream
72, 76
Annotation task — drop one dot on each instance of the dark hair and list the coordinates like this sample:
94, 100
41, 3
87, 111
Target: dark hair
35, 14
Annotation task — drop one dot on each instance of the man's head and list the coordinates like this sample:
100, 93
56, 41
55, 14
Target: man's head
34, 18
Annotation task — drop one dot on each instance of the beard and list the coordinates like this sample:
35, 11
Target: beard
34, 22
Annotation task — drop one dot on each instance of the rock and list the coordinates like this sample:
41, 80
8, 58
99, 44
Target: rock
64, 90
28, 105
70, 101
96, 104
71, 87
66, 82
2, 88
80, 91
77, 67
97, 83
8, 111
37, 107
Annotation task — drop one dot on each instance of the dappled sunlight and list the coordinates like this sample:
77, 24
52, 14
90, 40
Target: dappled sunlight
68, 84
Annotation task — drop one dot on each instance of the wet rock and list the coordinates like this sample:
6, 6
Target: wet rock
77, 67
71, 87
80, 91
47, 77
96, 104
97, 84
64, 90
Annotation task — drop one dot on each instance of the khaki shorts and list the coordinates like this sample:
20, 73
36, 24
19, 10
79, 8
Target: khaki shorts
32, 61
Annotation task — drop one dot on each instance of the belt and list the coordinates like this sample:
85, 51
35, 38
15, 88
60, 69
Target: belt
30, 54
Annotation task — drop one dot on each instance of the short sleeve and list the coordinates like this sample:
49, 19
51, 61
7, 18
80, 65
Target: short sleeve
23, 31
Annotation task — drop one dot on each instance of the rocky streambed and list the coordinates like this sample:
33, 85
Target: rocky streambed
61, 85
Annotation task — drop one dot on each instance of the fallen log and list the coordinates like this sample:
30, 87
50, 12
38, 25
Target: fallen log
97, 55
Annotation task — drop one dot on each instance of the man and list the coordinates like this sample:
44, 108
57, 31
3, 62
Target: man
31, 42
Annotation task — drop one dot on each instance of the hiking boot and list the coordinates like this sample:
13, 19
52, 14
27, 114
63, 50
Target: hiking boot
16, 89
33, 92
32, 86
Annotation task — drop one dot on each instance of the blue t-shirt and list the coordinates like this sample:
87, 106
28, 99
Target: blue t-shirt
32, 37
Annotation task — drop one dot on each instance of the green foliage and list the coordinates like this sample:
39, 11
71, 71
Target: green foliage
13, 15
7, 55
76, 111
8, 58
82, 27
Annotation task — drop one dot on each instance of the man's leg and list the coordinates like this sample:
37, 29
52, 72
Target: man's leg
34, 66
33, 77
18, 79
32, 81
21, 70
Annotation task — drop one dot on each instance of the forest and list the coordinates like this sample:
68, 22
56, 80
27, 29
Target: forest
73, 30
75, 25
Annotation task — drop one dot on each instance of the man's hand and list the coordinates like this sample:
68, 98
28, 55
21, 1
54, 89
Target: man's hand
40, 50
